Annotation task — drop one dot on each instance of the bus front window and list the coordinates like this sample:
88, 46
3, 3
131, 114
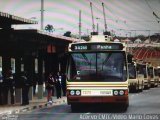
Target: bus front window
150, 71
98, 67
132, 71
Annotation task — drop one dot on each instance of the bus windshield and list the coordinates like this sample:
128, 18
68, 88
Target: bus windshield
156, 72
100, 66
150, 71
132, 71
142, 69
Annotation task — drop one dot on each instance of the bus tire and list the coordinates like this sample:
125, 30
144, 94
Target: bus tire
125, 107
74, 108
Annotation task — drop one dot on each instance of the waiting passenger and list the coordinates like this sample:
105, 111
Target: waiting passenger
50, 87
25, 88
58, 85
63, 83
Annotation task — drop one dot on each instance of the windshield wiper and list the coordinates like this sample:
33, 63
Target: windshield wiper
84, 56
106, 60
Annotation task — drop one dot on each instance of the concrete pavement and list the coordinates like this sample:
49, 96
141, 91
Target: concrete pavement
34, 104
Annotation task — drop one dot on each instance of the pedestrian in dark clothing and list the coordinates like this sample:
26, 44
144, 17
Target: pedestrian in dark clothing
50, 87
58, 85
25, 88
9, 84
63, 84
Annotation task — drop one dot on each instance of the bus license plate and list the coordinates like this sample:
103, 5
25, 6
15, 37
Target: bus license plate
96, 93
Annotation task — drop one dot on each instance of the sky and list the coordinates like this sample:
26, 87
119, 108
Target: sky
124, 17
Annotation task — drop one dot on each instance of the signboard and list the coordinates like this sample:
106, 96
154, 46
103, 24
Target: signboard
96, 46
96, 92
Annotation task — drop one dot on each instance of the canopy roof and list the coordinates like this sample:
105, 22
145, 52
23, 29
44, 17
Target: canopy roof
6, 20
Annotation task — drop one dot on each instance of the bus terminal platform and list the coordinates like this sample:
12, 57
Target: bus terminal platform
34, 104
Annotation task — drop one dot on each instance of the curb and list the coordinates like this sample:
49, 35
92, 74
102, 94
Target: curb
34, 107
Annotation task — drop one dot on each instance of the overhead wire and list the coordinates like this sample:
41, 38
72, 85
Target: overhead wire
154, 14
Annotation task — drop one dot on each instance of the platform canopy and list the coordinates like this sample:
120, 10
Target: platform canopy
14, 41
6, 20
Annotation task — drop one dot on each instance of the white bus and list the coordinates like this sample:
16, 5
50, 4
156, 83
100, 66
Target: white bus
97, 73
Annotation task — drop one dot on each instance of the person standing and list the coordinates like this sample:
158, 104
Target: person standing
58, 85
63, 83
25, 88
9, 85
50, 87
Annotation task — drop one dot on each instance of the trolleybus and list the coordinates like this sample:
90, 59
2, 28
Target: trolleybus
153, 79
136, 77
97, 73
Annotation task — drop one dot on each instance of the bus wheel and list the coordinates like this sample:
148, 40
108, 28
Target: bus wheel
124, 107
74, 108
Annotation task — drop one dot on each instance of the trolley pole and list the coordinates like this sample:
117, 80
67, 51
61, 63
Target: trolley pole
93, 25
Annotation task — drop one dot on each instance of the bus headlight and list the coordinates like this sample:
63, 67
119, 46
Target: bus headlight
115, 92
72, 92
78, 92
121, 92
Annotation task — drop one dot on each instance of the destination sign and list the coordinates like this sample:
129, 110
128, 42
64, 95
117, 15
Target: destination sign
96, 46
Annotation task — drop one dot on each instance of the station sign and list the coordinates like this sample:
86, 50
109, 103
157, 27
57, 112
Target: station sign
96, 46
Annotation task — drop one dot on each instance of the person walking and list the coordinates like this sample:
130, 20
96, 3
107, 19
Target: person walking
58, 85
25, 88
50, 87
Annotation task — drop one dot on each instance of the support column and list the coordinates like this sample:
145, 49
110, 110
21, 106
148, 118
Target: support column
31, 72
18, 90
40, 76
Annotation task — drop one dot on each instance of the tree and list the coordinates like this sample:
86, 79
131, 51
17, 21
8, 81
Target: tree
67, 34
49, 28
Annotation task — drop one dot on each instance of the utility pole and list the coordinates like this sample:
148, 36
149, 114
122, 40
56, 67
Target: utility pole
42, 14
80, 24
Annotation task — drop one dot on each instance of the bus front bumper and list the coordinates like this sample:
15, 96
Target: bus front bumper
97, 99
